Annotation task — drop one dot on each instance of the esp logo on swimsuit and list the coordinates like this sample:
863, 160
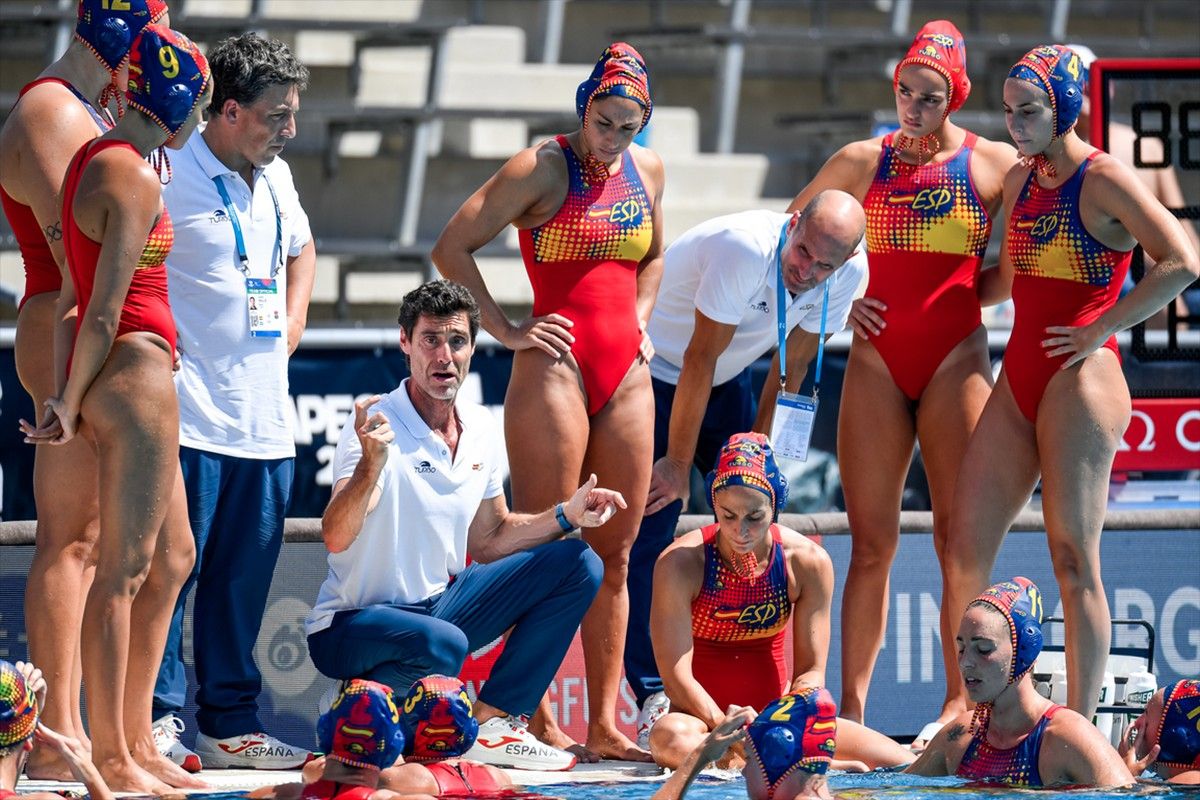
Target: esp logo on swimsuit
1042, 227
934, 200
754, 615
627, 212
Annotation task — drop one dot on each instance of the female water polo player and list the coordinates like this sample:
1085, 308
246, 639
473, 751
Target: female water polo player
1166, 737
120, 395
1061, 403
1014, 735
587, 207
65, 106
742, 582
918, 368
789, 748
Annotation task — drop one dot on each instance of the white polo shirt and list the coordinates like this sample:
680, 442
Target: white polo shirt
233, 389
725, 267
416, 537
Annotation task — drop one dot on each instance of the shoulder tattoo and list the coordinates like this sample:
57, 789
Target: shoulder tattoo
956, 731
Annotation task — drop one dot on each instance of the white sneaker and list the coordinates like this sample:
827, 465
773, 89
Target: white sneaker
166, 730
250, 751
654, 709
507, 742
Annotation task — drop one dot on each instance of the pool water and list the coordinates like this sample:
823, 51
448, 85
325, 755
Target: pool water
870, 785
843, 786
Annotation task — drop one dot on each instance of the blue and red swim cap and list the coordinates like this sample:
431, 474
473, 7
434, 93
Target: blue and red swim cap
797, 732
748, 460
437, 719
109, 28
362, 727
168, 76
1021, 604
1179, 728
621, 70
18, 707
1059, 72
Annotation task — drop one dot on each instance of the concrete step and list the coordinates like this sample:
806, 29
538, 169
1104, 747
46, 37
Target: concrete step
485, 44
505, 278
674, 129
324, 48
396, 77
701, 177
365, 10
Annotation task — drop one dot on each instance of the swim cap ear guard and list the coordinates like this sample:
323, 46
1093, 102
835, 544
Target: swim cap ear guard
437, 719
1020, 602
796, 732
1179, 729
18, 707
748, 460
109, 28
362, 727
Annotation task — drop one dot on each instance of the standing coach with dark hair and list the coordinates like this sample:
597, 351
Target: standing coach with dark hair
240, 277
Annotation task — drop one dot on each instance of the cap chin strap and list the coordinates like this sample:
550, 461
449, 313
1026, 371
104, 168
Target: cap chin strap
927, 146
160, 160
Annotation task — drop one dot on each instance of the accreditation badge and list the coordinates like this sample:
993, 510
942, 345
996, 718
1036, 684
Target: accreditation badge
268, 315
792, 428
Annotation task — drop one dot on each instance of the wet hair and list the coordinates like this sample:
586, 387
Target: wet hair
243, 67
439, 298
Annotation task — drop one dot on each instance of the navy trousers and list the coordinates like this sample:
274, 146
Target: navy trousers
541, 593
237, 508
731, 409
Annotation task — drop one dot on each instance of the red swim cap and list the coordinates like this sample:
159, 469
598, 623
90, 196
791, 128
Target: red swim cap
939, 46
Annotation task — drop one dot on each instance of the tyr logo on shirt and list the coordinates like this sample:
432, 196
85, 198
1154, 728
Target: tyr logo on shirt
761, 305
218, 216
424, 467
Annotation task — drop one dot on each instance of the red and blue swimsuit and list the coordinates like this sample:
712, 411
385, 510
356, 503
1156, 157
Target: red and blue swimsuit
927, 231
147, 306
1062, 276
583, 263
738, 628
1017, 766
41, 270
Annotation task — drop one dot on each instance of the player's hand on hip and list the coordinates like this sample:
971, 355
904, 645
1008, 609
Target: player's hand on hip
1074, 343
551, 334
866, 317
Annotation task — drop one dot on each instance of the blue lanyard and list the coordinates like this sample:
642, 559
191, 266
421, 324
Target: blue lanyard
781, 306
238, 240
